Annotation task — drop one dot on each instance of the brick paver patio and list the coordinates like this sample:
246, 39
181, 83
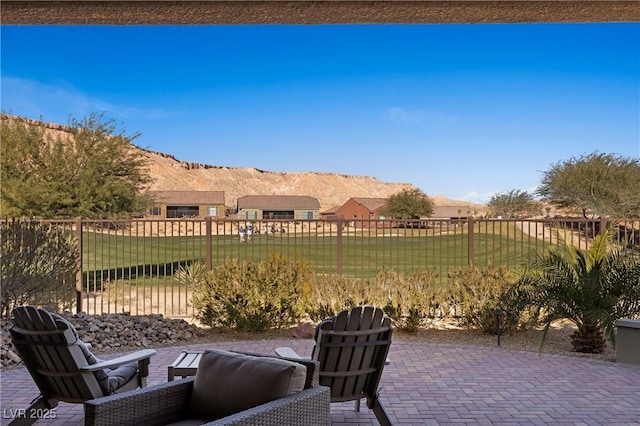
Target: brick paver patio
435, 384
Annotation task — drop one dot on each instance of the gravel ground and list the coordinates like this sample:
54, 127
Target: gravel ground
558, 340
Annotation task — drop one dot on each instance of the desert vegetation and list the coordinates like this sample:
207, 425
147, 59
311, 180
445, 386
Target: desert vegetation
590, 289
467, 270
90, 171
38, 266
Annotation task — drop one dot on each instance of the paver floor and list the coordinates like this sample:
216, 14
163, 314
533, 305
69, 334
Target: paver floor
434, 384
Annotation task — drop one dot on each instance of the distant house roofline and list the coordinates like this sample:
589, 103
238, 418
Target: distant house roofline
330, 210
278, 202
183, 198
371, 204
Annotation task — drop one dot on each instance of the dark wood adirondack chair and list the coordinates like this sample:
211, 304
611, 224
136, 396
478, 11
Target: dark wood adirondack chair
352, 350
62, 366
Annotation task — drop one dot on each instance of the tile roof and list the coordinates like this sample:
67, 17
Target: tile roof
372, 204
183, 198
268, 202
331, 210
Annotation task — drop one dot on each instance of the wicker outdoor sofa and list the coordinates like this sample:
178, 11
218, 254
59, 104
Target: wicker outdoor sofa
168, 403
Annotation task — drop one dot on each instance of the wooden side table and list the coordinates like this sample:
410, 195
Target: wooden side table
185, 365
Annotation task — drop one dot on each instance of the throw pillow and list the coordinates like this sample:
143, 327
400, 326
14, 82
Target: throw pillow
229, 382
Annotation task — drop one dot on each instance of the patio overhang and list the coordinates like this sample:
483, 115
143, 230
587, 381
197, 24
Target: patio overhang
164, 12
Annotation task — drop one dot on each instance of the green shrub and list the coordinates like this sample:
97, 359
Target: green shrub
192, 275
123, 296
333, 293
250, 296
38, 266
408, 298
475, 293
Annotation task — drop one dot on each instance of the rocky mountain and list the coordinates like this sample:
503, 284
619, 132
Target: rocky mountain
331, 189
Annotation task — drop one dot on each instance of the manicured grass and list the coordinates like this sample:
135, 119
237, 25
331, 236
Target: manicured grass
362, 254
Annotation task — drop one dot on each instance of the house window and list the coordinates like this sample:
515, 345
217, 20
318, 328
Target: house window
175, 212
275, 214
155, 211
212, 211
307, 215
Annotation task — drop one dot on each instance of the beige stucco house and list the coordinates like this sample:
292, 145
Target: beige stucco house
179, 204
271, 207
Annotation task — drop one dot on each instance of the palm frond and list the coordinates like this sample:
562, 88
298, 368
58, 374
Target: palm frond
591, 288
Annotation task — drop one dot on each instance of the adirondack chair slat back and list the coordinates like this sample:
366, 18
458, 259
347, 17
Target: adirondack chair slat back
52, 355
352, 348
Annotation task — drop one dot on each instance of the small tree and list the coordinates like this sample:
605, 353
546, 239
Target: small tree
409, 204
597, 184
38, 266
592, 289
89, 170
514, 204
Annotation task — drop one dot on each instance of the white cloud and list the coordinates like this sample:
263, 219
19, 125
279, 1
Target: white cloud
484, 197
477, 197
532, 190
60, 101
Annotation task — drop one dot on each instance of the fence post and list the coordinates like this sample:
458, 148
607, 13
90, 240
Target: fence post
79, 266
339, 247
207, 222
470, 241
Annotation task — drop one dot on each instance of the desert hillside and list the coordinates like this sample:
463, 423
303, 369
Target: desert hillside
331, 189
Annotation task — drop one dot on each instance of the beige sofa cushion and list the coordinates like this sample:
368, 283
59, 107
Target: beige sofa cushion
228, 382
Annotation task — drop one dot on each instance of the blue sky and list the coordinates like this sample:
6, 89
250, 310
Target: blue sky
465, 111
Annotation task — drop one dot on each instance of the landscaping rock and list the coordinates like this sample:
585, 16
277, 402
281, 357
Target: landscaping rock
112, 332
303, 331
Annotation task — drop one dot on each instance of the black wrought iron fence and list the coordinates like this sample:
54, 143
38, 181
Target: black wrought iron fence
130, 265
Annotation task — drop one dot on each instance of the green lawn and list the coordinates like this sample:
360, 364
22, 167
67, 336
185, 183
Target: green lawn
362, 254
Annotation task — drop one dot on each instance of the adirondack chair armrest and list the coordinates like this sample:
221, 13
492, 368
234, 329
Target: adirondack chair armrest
286, 352
142, 355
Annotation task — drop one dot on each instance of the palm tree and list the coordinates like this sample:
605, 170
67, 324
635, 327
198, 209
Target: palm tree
591, 288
